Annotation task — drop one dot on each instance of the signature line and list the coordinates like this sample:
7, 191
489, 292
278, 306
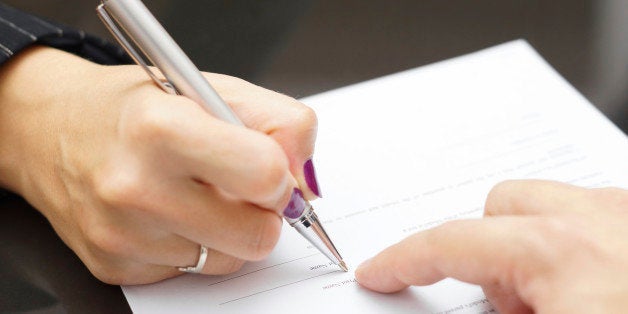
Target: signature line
294, 260
284, 285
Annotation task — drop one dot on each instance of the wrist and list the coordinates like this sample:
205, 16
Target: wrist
32, 89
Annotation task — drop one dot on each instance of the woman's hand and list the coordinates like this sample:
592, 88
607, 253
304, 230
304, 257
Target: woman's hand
134, 179
543, 246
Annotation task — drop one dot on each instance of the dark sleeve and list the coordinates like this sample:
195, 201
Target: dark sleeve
19, 30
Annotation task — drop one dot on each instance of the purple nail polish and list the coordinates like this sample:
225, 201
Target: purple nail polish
310, 177
296, 206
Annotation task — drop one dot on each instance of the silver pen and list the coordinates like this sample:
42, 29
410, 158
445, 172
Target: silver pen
184, 78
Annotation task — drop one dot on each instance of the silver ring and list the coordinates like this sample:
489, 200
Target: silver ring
202, 258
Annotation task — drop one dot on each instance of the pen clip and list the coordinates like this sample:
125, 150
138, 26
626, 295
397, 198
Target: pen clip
119, 35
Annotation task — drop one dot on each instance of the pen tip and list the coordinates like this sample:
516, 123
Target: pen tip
343, 266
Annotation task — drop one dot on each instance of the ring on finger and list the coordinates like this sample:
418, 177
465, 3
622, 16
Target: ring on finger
202, 258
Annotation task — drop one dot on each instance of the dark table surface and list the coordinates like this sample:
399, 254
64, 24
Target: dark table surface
299, 48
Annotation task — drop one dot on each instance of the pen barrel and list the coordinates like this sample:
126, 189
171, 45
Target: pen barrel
310, 227
163, 52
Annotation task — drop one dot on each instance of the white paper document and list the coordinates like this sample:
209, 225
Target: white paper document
405, 153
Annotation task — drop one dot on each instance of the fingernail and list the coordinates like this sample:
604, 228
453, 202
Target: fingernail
296, 206
310, 177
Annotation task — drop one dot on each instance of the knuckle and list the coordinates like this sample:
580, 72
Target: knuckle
616, 197
105, 241
118, 188
549, 239
107, 274
150, 124
501, 188
555, 228
129, 273
265, 237
305, 117
500, 195
118, 274
432, 238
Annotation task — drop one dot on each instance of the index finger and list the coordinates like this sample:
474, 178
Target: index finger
483, 252
289, 122
180, 138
